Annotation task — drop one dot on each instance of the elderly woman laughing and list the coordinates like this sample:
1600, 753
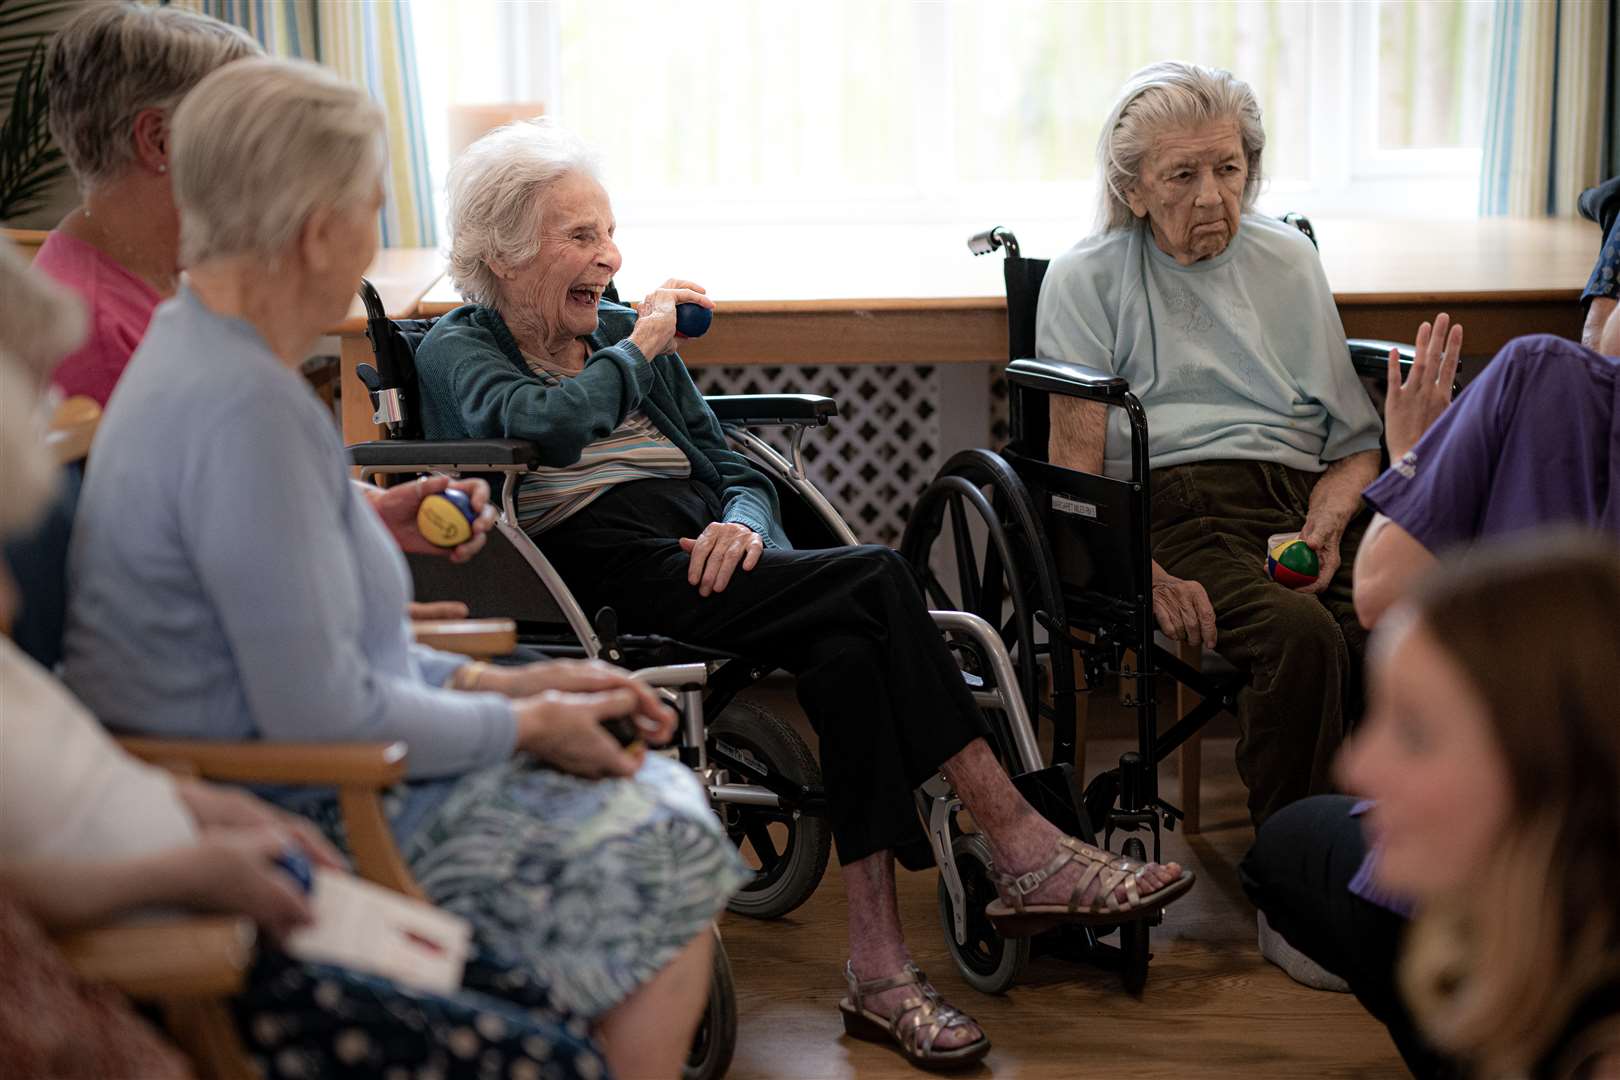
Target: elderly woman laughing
1222, 321
642, 506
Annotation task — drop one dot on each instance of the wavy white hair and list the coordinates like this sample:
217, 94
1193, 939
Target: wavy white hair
1162, 97
496, 188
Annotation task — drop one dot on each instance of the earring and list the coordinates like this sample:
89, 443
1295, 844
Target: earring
163, 168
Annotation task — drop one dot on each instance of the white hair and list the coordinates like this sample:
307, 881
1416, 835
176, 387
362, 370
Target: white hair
1159, 98
496, 190
263, 144
116, 60
43, 322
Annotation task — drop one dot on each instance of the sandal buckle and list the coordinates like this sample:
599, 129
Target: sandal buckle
1027, 883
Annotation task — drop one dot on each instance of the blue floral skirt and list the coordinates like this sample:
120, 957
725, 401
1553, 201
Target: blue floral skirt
592, 885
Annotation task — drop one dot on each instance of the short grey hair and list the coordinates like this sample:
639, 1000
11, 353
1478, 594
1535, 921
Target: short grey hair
260, 146
116, 60
1161, 97
495, 191
44, 322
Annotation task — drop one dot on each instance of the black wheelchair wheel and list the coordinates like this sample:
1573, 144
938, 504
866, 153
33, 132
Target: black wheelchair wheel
716, 1037
989, 962
1011, 583
787, 851
1133, 936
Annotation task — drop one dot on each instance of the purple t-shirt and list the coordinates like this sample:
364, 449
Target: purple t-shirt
1535, 440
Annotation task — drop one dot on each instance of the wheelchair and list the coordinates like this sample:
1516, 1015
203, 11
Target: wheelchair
1059, 561
761, 777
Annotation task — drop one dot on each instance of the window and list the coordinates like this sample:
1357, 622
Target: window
957, 110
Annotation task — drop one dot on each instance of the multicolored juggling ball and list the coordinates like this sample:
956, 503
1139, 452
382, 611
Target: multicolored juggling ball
446, 519
1292, 563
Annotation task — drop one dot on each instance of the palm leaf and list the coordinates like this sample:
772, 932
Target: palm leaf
29, 162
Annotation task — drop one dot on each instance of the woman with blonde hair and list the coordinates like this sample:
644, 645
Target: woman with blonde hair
1492, 751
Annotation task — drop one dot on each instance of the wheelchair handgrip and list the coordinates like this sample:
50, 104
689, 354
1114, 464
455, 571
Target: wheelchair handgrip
1066, 377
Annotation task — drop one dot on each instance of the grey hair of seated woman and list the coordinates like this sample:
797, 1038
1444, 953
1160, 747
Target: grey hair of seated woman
1162, 97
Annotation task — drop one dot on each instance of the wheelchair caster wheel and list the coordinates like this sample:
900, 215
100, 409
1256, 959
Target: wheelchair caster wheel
988, 962
787, 851
1133, 936
716, 1037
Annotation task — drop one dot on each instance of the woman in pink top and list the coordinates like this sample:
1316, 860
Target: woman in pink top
114, 75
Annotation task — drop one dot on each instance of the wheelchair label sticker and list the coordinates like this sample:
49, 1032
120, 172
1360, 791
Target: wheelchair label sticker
1074, 506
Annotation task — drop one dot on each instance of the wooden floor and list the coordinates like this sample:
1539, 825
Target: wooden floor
1212, 1006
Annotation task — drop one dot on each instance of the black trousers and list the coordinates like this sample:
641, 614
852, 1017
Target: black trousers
880, 688
1299, 873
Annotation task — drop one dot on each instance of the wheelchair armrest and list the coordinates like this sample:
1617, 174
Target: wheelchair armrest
1065, 377
807, 409
466, 454
1371, 356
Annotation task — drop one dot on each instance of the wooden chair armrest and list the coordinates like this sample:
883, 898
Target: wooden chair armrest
374, 765
479, 638
187, 958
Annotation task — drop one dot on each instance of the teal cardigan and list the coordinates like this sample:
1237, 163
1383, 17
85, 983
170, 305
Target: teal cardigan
475, 384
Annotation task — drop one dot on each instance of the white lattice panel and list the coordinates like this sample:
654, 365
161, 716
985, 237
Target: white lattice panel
880, 452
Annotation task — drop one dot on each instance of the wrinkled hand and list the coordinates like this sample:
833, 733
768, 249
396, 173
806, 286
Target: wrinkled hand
213, 806
717, 552
237, 874
564, 731
657, 720
1183, 610
397, 507
654, 334
1410, 407
1322, 535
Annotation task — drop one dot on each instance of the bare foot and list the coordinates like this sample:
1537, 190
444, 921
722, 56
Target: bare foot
888, 1005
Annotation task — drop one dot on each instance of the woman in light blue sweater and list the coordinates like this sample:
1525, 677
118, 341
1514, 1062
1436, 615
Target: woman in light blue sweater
227, 581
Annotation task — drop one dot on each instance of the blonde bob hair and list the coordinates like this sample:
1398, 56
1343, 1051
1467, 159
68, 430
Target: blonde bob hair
496, 188
1494, 975
259, 146
1160, 98
115, 60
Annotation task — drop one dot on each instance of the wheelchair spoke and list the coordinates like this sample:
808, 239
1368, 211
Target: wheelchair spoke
966, 558
758, 831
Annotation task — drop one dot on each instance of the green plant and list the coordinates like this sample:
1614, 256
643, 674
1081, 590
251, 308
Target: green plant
29, 161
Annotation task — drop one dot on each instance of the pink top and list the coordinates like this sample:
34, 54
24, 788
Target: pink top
120, 304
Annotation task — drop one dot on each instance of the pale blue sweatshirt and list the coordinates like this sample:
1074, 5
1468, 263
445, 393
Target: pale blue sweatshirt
228, 581
1239, 357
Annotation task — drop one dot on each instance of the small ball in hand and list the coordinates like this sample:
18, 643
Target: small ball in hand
692, 320
1292, 563
446, 519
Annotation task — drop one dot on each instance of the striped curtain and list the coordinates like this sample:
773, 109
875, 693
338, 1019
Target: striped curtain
368, 42
1549, 92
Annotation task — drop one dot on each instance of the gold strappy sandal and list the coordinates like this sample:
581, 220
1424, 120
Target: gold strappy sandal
915, 1026
1012, 917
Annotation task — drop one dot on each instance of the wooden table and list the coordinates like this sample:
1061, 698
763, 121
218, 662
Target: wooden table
402, 277
912, 294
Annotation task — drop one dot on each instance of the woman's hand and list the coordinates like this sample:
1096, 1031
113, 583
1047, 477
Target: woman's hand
233, 870
215, 807
1410, 407
565, 731
582, 677
654, 334
717, 552
397, 507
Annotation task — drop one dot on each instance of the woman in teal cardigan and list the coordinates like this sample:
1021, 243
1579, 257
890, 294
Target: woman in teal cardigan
642, 507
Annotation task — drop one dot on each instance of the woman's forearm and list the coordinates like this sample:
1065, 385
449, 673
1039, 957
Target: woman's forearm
66, 894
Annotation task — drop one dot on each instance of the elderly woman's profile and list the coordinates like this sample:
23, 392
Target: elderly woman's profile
1222, 321
642, 506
